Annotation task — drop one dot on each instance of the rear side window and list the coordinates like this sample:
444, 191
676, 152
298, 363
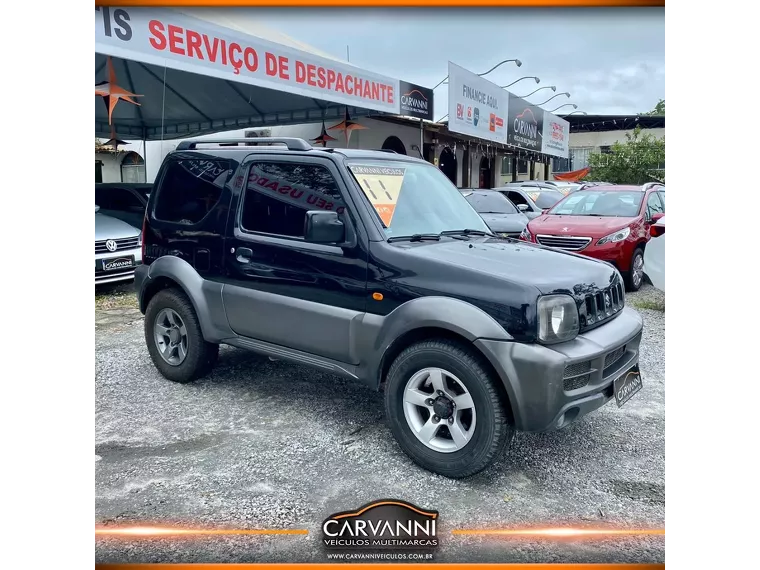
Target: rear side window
190, 189
279, 194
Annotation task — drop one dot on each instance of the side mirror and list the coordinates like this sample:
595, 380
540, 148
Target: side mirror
323, 227
656, 217
523, 207
97, 208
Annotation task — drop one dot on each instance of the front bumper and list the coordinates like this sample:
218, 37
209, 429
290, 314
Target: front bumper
618, 254
117, 273
552, 386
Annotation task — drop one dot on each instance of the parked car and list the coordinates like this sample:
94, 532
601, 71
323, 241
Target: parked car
501, 215
654, 255
372, 266
531, 200
610, 223
125, 201
117, 249
566, 187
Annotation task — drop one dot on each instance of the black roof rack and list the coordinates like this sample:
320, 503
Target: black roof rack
290, 142
387, 150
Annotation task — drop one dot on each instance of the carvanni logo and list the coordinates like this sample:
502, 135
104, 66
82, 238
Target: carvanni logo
383, 524
414, 100
525, 124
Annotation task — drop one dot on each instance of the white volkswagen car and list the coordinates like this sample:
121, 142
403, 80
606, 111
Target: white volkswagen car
118, 249
654, 255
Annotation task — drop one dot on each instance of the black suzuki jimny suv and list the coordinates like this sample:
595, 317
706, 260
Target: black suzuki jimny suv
371, 265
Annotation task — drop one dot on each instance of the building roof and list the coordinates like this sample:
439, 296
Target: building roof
589, 123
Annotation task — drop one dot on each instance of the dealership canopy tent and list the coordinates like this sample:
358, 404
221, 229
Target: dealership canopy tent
199, 73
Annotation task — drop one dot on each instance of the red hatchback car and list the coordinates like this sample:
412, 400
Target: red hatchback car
610, 223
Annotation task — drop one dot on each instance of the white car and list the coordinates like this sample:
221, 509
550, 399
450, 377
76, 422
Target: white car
118, 249
654, 255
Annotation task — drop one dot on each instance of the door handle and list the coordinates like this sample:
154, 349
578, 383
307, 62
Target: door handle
243, 254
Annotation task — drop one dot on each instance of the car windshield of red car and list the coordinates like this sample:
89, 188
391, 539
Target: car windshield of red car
600, 203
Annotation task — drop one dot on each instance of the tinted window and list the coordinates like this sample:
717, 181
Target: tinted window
117, 199
545, 198
190, 188
279, 194
600, 203
516, 198
491, 203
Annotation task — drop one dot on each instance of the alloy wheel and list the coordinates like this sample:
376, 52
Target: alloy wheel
171, 336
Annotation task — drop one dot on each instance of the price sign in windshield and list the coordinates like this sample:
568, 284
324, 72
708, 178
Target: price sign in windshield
382, 186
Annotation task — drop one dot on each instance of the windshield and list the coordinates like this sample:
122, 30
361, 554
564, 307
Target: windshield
600, 203
491, 203
414, 198
545, 198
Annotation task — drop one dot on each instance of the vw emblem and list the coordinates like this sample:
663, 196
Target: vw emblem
111, 245
607, 301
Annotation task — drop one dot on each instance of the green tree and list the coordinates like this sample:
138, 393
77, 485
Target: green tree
658, 110
640, 159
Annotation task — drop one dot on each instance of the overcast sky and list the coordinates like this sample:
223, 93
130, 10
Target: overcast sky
610, 60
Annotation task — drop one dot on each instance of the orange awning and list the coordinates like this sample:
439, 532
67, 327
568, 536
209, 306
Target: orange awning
573, 176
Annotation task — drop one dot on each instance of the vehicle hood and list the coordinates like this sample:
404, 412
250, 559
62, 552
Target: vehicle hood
505, 222
107, 227
588, 226
520, 263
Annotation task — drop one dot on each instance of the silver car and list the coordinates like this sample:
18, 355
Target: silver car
533, 201
118, 249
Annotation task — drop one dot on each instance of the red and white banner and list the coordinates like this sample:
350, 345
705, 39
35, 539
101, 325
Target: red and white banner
556, 136
166, 37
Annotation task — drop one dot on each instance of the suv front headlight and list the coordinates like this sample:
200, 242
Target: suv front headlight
557, 319
139, 239
619, 235
525, 234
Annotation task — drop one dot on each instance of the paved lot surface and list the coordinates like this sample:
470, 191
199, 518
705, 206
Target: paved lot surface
261, 444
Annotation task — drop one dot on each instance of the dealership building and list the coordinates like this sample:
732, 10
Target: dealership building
170, 89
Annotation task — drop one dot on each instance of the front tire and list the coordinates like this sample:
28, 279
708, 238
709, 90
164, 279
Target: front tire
175, 340
445, 409
635, 277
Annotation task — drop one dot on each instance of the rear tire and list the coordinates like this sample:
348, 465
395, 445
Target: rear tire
634, 279
175, 340
486, 427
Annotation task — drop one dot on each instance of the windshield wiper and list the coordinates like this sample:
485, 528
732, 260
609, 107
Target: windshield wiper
415, 237
467, 232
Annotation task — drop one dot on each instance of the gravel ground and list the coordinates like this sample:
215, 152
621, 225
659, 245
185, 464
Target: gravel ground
262, 444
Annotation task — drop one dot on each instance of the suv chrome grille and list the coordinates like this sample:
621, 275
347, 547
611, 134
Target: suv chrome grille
570, 243
602, 305
121, 244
